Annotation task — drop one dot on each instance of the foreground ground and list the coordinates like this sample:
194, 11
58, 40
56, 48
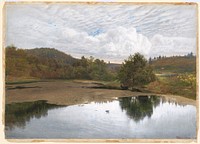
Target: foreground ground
72, 92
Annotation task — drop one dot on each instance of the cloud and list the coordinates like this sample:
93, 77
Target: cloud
110, 32
166, 45
114, 45
121, 42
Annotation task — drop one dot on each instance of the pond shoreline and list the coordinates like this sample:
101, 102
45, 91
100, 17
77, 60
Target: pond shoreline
72, 92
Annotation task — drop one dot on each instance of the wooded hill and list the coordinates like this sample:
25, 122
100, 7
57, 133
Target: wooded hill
49, 63
174, 64
46, 54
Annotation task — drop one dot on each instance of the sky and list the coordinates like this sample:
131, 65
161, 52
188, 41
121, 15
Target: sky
109, 32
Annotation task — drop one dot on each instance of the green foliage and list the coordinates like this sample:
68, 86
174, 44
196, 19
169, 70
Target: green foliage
16, 62
182, 84
90, 68
48, 63
135, 71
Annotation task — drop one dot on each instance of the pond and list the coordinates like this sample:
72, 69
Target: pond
127, 117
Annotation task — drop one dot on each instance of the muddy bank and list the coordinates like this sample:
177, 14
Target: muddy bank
72, 92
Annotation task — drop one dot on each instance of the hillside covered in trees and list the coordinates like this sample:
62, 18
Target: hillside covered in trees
49, 63
174, 64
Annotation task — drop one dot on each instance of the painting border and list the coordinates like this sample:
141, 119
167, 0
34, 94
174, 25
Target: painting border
3, 38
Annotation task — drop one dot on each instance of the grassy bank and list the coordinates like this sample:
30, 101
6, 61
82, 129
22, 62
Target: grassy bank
176, 85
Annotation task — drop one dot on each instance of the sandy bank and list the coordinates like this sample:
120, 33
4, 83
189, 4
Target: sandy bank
72, 92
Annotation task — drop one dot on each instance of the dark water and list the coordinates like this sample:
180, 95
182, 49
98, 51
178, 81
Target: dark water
129, 117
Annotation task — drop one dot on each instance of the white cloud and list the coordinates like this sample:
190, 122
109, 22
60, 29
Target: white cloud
165, 45
114, 45
110, 32
122, 42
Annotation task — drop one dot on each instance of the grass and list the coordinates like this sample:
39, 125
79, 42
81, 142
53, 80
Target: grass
172, 85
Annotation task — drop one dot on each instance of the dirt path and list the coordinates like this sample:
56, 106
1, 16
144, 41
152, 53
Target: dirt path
70, 93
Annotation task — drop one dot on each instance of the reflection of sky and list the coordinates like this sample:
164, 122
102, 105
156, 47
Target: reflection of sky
170, 119
104, 31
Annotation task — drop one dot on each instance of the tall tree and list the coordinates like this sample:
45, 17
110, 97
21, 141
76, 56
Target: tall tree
135, 71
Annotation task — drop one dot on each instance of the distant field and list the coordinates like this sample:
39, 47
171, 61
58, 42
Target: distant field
179, 64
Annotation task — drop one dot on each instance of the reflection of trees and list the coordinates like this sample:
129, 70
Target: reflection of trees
17, 114
171, 101
102, 101
139, 107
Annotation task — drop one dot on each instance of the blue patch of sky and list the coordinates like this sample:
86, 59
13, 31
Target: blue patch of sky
138, 29
132, 18
96, 32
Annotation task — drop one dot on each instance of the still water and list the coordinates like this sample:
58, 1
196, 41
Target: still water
128, 117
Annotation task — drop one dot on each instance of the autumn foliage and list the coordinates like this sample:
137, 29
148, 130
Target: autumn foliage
49, 63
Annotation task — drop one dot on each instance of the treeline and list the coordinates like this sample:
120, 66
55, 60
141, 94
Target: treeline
189, 55
48, 63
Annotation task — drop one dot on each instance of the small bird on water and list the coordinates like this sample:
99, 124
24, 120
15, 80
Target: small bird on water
107, 111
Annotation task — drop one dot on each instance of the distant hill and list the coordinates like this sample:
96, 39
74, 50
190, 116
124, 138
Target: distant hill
51, 53
176, 64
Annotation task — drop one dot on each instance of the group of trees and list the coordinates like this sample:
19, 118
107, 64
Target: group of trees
91, 68
189, 55
51, 64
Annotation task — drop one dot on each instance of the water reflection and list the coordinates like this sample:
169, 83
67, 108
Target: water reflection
137, 108
99, 119
17, 114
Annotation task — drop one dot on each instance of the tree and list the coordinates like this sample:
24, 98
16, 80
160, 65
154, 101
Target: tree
135, 71
150, 60
190, 55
